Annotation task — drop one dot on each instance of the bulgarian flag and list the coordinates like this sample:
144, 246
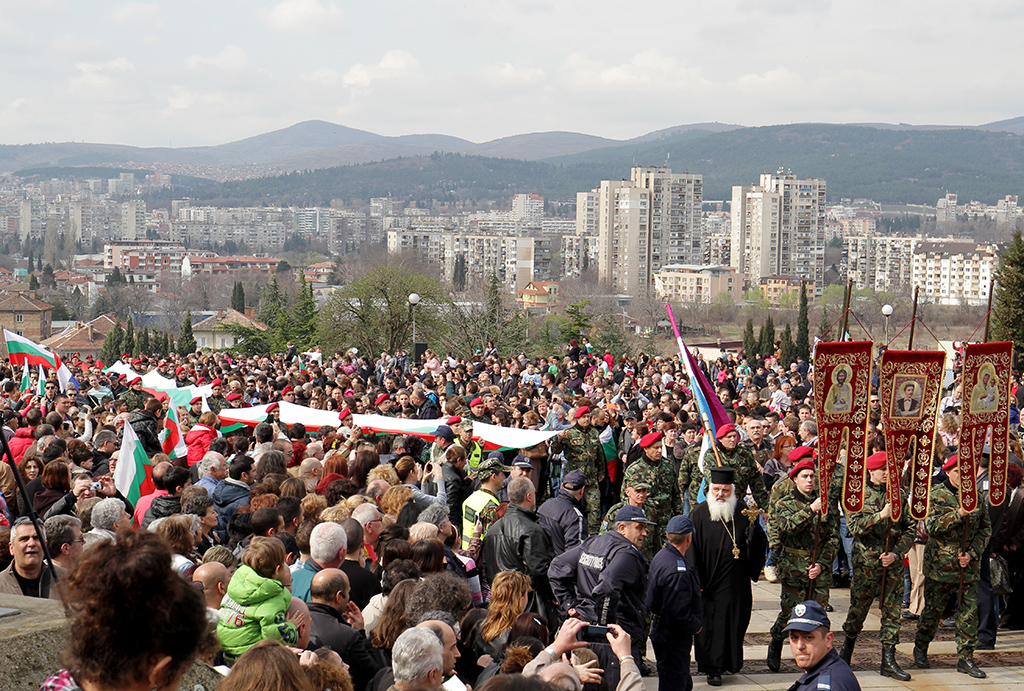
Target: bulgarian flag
23, 350
26, 378
173, 442
611, 457
41, 382
133, 474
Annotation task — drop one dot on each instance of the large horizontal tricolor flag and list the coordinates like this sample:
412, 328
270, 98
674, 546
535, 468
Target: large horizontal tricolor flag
23, 350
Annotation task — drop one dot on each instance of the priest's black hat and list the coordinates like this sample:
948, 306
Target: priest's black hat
722, 475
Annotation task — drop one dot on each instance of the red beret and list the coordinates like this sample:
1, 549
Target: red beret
286, 390
802, 465
724, 430
801, 452
650, 438
581, 411
233, 396
380, 399
200, 380
162, 363
476, 401
136, 380
876, 460
216, 382
178, 370
136, 361
344, 413
453, 420
195, 400
953, 460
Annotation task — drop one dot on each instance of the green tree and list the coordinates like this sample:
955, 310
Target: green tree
1008, 309
576, 323
48, 279
186, 341
33, 282
373, 312
609, 335
110, 351
31, 261
803, 328
766, 340
60, 311
272, 303
459, 273
749, 342
238, 297
303, 324
115, 278
825, 329
128, 344
145, 345
787, 348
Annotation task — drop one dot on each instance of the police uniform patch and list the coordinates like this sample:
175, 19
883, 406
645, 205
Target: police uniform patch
680, 565
799, 610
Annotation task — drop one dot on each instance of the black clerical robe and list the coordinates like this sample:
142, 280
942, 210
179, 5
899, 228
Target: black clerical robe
726, 581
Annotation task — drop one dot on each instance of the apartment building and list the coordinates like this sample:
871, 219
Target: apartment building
953, 272
698, 283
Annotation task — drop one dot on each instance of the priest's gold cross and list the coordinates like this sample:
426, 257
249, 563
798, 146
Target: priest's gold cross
752, 513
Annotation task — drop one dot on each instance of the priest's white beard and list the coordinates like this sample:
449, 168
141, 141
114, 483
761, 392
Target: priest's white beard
722, 510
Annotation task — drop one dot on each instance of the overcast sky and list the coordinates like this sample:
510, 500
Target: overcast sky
190, 72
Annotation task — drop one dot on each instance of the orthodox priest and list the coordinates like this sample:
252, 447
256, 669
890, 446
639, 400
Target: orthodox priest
728, 551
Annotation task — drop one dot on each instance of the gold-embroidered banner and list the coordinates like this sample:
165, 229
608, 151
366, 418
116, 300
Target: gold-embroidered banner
909, 385
842, 375
986, 410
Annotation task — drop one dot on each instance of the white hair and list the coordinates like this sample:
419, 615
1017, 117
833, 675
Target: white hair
106, 513
722, 510
326, 541
211, 460
415, 655
364, 513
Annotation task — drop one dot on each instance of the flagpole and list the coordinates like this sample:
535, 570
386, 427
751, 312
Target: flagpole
846, 310
988, 313
913, 318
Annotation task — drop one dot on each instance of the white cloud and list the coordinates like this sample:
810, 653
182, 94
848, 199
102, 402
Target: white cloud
510, 74
305, 17
395, 63
139, 14
324, 76
230, 58
646, 69
98, 74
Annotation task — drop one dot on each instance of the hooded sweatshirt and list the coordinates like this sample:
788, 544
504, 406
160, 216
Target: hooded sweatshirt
254, 608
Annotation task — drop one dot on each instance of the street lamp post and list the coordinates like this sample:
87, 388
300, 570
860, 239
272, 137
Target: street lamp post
886, 312
414, 299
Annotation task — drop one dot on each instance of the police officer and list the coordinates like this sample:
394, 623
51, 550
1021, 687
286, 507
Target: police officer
674, 601
879, 544
482, 505
565, 516
811, 642
604, 580
949, 527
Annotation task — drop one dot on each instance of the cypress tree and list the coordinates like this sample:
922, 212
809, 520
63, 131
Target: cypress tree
803, 328
1008, 302
186, 341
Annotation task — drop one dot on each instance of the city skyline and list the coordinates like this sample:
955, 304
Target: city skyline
191, 74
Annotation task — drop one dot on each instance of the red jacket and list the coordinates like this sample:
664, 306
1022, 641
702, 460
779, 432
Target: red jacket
22, 439
198, 440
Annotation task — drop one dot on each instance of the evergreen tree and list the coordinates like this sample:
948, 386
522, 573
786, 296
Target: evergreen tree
162, 346
749, 342
48, 278
238, 298
128, 345
825, 329
110, 351
1007, 322
33, 282
145, 345
803, 327
766, 342
787, 348
303, 324
459, 273
31, 261
272, 304
576, 322
186, 341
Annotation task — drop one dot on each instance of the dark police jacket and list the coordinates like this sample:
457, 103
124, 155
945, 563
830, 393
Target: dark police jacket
329, 628
673, 594
830, 674
565, 519
604, 580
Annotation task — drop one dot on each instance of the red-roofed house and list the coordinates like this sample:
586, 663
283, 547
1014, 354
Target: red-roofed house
538, 296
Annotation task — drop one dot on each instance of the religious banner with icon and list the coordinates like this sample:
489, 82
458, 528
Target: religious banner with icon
842, 375
985, 418
909, 386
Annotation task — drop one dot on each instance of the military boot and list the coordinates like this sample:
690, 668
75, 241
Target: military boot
890, 668
847, 652
965, 665
921, 657
774, 654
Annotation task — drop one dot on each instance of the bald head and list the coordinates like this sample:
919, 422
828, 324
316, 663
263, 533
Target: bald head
310, 467
330, 587
214, 577
298, 613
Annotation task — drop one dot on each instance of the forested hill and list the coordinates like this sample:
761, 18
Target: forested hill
915, 166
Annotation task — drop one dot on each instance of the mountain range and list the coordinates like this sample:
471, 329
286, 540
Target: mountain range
885, 162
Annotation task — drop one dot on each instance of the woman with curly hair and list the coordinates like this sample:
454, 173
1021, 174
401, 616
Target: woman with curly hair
392, 620
510, 593
128, 587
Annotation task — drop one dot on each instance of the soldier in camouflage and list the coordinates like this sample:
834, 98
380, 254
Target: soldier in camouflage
635, 494
879, 545
659, 475
216, 402
808, 542
135, 396
956, 541
731, 454
582, 451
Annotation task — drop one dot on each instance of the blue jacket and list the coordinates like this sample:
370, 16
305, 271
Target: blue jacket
302, 580
830, 674
229, 496
673, 593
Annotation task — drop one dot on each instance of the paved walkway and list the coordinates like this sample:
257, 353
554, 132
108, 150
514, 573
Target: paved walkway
944, 677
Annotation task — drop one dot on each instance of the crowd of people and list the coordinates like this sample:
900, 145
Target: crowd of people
338, 558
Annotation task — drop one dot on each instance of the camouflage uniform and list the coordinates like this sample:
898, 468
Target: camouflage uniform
582, 451
134, 399
649, 547
869, 541
662, 494
747, 474
942, 567
796, 535
217, 404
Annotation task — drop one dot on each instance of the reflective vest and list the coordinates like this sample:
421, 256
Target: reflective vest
471, 508
474, 454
